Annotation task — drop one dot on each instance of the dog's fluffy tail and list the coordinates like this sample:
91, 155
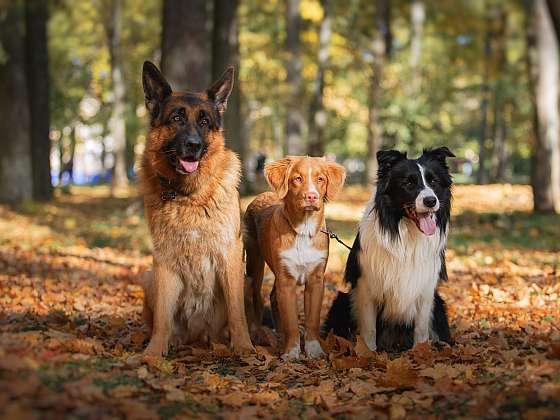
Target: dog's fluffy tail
339, 318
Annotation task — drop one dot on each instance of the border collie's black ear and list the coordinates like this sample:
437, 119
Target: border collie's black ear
388, 158
219, 92
439, 153
156, 88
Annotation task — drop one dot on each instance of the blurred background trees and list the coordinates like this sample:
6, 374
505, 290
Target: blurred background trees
343, 78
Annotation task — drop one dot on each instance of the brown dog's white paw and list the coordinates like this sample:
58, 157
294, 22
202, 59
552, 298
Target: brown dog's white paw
313, 349
292, 354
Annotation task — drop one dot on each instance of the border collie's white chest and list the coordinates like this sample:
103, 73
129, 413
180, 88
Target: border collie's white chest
398, 271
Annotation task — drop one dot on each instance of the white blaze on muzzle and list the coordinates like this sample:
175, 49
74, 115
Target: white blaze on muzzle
425, 193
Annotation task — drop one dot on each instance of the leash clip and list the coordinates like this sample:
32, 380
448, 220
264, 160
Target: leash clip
333, 235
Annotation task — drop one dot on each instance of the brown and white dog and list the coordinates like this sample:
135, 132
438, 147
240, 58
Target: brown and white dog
189, 182
283, 229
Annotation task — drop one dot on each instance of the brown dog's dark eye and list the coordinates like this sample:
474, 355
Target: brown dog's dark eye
321, 179
298, 178
176, 118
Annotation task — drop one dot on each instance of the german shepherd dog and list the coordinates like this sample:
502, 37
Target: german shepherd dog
190, 186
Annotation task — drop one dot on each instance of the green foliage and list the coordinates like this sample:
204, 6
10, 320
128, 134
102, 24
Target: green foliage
446, 109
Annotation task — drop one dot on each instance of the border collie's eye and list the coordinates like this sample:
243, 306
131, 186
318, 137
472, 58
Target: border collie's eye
410, 183
433, 181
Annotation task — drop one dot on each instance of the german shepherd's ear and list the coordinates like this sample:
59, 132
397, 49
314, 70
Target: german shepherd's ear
221, 89
156, 88
277, 174
336, 174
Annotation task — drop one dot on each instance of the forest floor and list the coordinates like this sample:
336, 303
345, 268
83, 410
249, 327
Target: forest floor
71, 334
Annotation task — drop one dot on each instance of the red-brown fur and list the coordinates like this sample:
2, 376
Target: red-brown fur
271, 223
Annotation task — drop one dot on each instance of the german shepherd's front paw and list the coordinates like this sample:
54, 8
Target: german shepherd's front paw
155, 348
244, 349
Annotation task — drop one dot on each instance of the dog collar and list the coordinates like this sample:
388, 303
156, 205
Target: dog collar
170, 190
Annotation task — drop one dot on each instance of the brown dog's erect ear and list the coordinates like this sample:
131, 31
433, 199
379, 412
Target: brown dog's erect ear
277, 174
336, 174
156, 88
221, 89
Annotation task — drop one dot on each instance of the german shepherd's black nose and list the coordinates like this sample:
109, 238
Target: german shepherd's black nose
430, 201
189, 146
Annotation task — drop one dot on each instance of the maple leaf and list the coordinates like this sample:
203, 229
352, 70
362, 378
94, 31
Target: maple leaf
399, 373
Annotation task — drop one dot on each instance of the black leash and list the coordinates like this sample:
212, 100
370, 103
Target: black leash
333, 235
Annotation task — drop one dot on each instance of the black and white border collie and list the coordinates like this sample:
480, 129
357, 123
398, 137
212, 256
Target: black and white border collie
398, 256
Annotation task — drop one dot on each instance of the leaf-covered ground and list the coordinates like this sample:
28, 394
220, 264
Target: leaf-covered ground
71, 335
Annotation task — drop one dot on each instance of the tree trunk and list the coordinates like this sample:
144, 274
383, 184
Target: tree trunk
381, 47
36, 16
481, 175
294, 120
185, 50
225, 52
499, 147
317, 114
417, 18
544, 68
16, 176
117, 122
554, 10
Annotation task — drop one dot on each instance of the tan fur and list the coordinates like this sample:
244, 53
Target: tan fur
272, 221
196, 287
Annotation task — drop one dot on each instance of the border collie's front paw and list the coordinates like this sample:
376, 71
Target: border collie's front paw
371, 342
292, 354
313, 349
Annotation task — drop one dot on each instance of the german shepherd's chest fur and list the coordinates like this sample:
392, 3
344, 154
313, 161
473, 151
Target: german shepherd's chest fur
195, 236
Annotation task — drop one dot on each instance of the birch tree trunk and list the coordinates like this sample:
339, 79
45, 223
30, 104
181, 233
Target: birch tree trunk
417, 18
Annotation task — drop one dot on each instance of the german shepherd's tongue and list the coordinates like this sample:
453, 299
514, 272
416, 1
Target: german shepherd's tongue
426, 223
188, 166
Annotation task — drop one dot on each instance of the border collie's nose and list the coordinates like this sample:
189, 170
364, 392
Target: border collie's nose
430, 201
311, 197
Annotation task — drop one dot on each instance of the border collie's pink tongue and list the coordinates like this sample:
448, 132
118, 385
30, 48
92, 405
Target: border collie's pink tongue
189, 167
426, 224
